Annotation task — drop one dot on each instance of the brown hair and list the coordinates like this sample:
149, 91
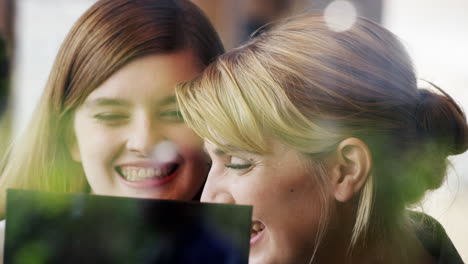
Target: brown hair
311, 87
107, 36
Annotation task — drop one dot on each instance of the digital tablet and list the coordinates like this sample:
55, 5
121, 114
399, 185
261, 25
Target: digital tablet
44, 227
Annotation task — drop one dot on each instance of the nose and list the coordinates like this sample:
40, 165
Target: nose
143, 136
216, 190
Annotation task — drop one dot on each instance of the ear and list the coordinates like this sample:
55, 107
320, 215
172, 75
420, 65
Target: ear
350, 167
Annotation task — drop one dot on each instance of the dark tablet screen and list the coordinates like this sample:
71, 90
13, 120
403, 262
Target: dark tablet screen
44, 227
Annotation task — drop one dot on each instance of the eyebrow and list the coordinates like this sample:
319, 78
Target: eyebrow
220, 152
106, 102
217, 151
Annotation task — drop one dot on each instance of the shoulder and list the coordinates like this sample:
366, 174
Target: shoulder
434, 238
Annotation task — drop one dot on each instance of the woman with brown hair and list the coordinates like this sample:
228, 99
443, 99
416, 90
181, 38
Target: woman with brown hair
109, 102
329, 138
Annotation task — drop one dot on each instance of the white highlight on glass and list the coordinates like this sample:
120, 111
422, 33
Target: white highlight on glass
340, 15
166, 151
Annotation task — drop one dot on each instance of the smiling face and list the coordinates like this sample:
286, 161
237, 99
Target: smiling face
284, 195
128, 117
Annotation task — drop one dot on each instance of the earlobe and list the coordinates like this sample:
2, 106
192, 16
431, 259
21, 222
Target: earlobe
350, 168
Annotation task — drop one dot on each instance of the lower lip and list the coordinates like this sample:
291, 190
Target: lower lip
254, 240
150, 183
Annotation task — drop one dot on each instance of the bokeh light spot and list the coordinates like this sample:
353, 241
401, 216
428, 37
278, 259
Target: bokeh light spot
340, 15
166, 151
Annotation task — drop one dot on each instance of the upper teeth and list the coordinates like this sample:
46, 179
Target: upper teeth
135, 173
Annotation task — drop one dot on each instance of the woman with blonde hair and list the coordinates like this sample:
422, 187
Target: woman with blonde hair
109, 102
329, 138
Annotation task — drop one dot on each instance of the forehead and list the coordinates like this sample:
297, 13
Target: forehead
150, 76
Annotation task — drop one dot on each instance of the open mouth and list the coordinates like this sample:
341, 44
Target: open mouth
136, 174
256, 231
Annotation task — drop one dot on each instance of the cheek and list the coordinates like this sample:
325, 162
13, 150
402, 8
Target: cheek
98, 145
102, 153
297, 219
94, 143
297, 206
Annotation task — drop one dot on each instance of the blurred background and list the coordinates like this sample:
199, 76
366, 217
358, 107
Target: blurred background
434, 31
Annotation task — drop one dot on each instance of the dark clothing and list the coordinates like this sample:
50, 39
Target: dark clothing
434, 239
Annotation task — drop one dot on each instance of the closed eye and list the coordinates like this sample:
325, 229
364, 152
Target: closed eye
237, 163
111, 118
174, 116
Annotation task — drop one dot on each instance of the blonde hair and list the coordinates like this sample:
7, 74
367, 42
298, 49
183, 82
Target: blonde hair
311, 87
107, 36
